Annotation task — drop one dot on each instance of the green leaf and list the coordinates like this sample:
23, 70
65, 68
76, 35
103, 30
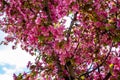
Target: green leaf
61, 44
109, 27
33, 74
83, 77
20, 76
41, 38
116, 39
111, 68
111, 65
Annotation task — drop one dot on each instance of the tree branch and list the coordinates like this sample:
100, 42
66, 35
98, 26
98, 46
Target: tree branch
68, 71
100, 64
47, 11
107, 76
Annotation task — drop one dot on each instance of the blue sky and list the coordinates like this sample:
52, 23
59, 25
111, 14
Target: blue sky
12, 61
3, 66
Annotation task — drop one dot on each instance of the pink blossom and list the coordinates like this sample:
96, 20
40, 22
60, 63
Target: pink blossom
118, 23
38, 20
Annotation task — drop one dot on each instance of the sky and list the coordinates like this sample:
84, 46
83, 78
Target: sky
12, 61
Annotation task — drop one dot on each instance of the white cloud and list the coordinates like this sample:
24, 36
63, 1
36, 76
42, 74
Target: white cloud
17, 58
6, 77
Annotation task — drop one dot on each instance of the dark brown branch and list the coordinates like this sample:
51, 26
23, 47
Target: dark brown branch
69, 72
47, 11
107, 76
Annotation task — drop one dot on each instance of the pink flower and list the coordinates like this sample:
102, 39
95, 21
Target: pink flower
118, 24
114, 10
98, 24
38, 20
14, 77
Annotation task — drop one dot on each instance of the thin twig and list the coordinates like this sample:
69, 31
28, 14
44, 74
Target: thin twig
68, 71
76, 48
107, 76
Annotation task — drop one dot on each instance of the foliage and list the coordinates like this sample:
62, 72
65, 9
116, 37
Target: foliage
86, 50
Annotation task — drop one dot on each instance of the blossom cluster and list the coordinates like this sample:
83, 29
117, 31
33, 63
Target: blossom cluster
90, 45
